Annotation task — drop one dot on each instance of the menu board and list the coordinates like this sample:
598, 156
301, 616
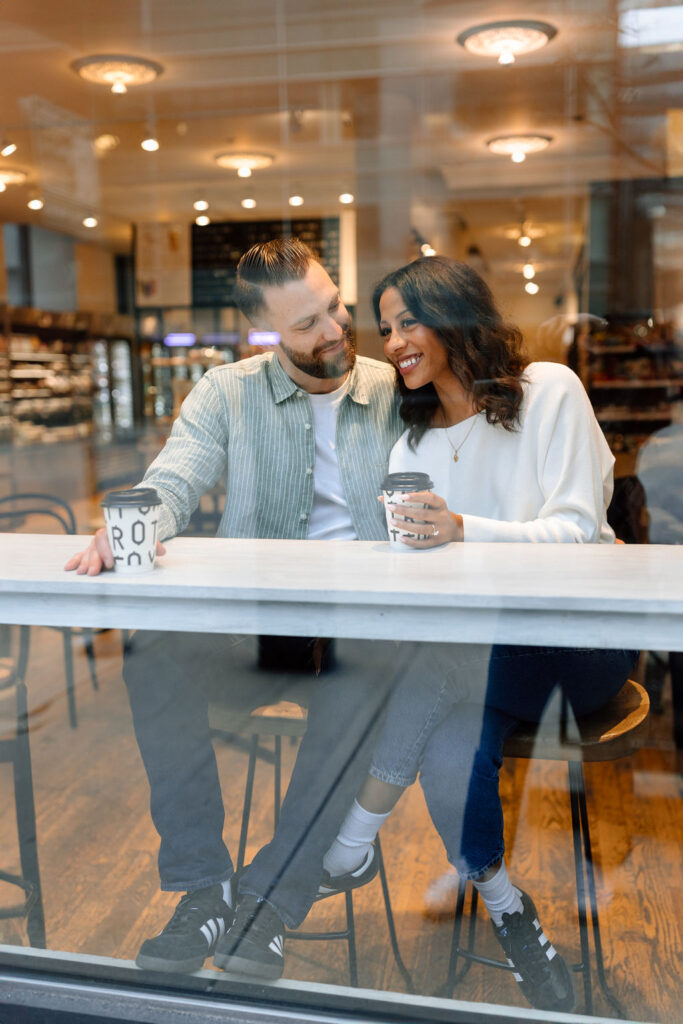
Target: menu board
218, 247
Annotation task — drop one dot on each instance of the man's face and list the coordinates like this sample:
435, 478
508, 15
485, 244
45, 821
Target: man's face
316, 334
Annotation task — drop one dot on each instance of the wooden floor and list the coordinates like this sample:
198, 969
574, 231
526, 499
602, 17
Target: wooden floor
98, 852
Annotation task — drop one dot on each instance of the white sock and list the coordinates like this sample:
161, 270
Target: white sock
354, 839
499, 895
227, 891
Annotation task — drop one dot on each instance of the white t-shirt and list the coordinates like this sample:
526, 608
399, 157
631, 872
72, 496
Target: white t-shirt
548, 480
330, 518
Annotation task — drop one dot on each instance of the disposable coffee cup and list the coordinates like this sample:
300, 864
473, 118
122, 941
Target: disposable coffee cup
132, 518
394, 486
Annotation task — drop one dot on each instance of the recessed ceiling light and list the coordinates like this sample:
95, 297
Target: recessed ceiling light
200, 204
117, 70
346, 198
90, 222
506, 40
35, 204
427, 250
528, 271
532, 288
202, 220
150, 145
524, 241
3, 186
248, 204
8, 148
12, 176
296, 200
243, 162
518, 146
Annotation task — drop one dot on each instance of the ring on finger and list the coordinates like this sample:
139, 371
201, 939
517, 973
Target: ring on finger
435, 531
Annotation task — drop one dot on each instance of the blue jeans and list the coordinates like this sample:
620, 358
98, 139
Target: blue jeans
172, 677
449, 718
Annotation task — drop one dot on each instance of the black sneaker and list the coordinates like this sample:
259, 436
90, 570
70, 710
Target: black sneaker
331, 885
542, 974
199, 920
254, 944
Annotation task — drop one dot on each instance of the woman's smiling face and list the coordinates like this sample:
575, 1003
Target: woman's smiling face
413, 348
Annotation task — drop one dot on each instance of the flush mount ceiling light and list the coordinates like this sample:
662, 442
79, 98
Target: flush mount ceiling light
200, 204
296, 200
117, 70
35, 203
244, 163
7, 147
248, 203
105, 143
90, 222
506, 40
202, 220
12, 176
517, 147
346, 198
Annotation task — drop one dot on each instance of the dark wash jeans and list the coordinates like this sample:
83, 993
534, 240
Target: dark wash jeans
462, 758
171, 677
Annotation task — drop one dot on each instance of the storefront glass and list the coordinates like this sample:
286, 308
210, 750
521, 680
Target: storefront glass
145, 147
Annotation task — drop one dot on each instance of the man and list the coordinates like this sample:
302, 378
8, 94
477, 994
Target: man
302, 436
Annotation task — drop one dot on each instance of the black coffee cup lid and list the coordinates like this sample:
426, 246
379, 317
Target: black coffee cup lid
133, 497
407, 482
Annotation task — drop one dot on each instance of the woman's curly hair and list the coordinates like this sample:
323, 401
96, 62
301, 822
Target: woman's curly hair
484, 352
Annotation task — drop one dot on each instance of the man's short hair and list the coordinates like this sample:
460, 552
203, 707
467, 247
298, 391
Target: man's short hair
276, 262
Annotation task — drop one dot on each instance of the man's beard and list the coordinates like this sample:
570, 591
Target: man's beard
317, 364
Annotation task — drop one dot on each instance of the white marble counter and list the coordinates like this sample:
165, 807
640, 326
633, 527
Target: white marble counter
558, 594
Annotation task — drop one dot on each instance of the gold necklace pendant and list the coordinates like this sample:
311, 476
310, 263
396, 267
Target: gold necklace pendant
455, 456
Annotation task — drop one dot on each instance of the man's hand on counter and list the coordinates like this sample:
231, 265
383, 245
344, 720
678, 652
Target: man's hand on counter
98, 556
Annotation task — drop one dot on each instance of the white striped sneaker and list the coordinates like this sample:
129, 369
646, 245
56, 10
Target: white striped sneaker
254, 944
201, 918
540, 971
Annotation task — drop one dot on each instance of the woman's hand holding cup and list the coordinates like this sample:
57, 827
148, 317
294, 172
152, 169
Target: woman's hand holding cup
436, 523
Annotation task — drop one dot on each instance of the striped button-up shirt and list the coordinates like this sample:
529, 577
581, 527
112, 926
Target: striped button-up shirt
250, 424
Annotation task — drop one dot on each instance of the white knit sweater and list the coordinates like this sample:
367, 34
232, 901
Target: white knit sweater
548, 481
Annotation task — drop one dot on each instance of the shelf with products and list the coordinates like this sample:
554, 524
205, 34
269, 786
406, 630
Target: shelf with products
632, 369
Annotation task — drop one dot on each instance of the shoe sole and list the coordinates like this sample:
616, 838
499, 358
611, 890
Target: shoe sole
353, 883
153, 963
240, 965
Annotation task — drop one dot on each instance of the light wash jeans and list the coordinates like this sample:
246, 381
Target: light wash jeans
451, 713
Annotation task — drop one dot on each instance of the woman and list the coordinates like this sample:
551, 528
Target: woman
515, 454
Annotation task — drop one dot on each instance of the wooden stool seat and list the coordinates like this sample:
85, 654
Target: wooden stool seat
617, 729
285, 718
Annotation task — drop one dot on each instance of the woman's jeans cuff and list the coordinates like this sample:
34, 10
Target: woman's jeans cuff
474, 874
199, 883
392, 778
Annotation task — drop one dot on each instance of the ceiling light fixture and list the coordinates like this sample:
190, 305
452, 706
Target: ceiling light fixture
202, 220
531, 288
8, 148
248, 203
244, 163
200, 204
507, 40
105, 143
518, 146
90, 222
528, 271
12, 176
427, 250
524, 240
3, 186
346, 198
296, 200
117, 70
150, 144
36, 203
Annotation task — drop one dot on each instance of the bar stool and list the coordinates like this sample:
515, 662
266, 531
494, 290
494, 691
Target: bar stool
15, 750
276, 721
617, 729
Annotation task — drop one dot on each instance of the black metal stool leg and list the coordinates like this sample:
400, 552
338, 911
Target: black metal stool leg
69, 672
592, 896
388, 910
351, 940
246, 810
575, 787
90, 654
277, 781
26, 822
